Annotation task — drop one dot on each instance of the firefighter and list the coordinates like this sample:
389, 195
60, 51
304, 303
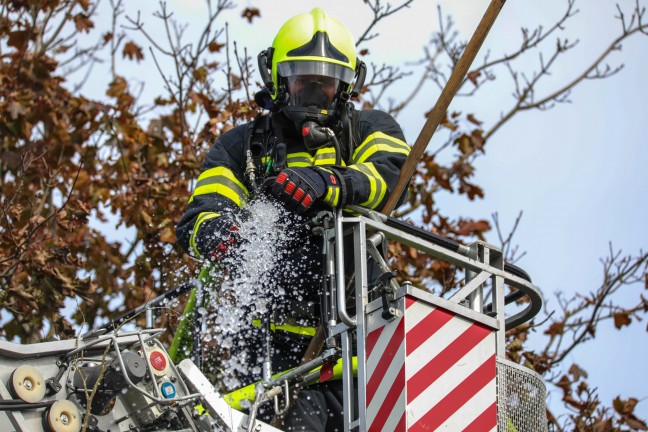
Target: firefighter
311, 150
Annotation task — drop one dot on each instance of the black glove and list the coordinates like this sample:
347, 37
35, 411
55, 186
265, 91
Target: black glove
300, 188
219, 235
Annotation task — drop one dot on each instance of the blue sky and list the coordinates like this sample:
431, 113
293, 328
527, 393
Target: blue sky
578, 171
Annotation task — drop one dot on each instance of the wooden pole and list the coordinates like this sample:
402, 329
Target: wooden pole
438, 112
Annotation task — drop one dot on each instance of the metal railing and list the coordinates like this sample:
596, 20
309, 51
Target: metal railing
521, 392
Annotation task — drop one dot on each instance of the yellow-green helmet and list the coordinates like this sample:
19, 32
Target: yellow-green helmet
312, 43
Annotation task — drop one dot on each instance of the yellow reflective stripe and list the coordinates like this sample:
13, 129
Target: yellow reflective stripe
222, 181
300, 330
332, 196
379, 141
202, 217
300, 159
377, 184
325, 156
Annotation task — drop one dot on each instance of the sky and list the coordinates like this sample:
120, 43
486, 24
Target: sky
577, 172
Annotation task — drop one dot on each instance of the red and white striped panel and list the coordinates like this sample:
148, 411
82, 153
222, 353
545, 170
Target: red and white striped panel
431, 370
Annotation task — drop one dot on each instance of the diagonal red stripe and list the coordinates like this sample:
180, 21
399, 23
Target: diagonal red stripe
372, 338
390, 403
386, 359
426, 328
485, 422
409, 301
400, 427
445, 360
447, 406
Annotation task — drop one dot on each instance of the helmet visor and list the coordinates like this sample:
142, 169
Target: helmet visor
293, 68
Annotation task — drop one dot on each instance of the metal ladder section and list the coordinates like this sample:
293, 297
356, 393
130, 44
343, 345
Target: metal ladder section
425, 362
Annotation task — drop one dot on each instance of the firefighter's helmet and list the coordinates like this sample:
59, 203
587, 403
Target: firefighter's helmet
311, 63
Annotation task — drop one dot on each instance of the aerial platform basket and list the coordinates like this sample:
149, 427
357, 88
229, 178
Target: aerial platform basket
430, 363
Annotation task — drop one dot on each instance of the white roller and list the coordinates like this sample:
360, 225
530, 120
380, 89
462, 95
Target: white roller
63, 416
28, 384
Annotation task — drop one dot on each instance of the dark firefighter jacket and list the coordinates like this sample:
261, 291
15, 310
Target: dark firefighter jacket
369, 174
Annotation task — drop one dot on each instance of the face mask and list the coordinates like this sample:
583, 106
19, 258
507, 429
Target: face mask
311, 105
312, 91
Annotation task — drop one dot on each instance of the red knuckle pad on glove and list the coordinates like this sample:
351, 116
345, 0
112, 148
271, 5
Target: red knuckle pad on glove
300, 187
299, 194
281, 178
307, 201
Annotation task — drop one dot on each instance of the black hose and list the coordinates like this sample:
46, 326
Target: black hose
425, 235
175, 292
454, 247
336, 145
18, 405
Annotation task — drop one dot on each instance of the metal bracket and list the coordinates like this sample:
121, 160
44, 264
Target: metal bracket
286, 392
387, 295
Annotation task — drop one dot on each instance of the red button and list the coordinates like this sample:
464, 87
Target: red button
158, 361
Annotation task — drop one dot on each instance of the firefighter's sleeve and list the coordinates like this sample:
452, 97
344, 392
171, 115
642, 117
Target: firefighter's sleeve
376, 162
218, 194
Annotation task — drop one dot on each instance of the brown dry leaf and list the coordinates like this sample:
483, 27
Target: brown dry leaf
133, 51
448, 124
471, 118
477, 139
117, 88
555, 329
471, 190
168, 235
472, 227
465, 145
215, 47
577, 372
473, 75
85, 4
146, 217
18, 39
619, 405
621, 319
83, 23
200, 74
636, 424
250, 13
604, 425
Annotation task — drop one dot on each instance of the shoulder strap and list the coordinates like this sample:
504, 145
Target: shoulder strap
350, 133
